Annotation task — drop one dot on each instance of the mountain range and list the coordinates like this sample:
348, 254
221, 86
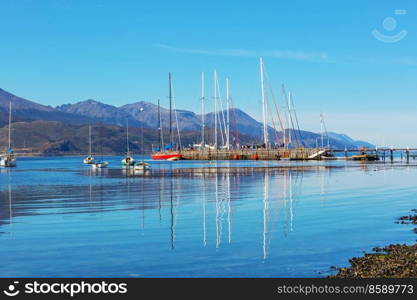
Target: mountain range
63, 129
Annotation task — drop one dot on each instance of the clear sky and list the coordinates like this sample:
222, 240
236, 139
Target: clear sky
118, 52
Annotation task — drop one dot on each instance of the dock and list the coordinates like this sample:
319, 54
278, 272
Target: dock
254, 154
294, 154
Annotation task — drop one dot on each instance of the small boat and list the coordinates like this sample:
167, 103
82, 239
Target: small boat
365, 157
100, 165
89, 159
128, 160
8, 160
142, 166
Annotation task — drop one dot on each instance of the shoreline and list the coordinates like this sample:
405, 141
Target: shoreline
392, 261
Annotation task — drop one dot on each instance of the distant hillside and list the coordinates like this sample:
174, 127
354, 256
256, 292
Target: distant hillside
28, 110
53, 138
98, 112
187, 120
349, 142
56, 138
244, 128
20, 103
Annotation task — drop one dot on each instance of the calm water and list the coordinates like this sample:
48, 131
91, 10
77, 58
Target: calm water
58, 218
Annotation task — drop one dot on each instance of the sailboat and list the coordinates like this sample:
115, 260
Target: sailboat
128, 160
168, 153
142, 166
89, 159
101, 163
9, 159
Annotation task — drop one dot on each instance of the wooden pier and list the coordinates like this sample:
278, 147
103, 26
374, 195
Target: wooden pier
253, 154
295, 154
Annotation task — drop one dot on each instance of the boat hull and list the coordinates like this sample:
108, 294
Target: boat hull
142, 168
166, 156
365, 157
128, 161
8, 162
88, 160
100, 165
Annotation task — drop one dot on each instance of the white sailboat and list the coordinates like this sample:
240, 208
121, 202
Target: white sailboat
102, 163
143, 166
9, 159
89, 159
128, 160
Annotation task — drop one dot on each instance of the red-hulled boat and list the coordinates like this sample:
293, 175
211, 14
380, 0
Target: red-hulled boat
167, 152
166, 156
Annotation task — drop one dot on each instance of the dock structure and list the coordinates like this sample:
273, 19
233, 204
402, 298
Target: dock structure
294, 154
253, 154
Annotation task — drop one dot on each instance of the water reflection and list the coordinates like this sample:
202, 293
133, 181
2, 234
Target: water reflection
204, 212
212, 196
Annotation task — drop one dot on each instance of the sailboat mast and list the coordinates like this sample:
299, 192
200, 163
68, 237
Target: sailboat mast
127, 136
159, 126
227, 114
215, 109
101, 142
290, 109
265, 130
286, 124
89, 139
322, 130
291, 128
170, 110
202, 110
10, 124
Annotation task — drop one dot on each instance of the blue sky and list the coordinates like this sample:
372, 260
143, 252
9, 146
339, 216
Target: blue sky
118, 52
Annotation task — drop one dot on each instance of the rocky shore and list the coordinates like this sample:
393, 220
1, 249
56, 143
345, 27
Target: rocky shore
393, 261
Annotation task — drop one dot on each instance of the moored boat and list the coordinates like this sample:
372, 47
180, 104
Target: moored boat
128, 160
100, 165
89, 159
166, 156
142, 166
365, 157
167, 152
8, 160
